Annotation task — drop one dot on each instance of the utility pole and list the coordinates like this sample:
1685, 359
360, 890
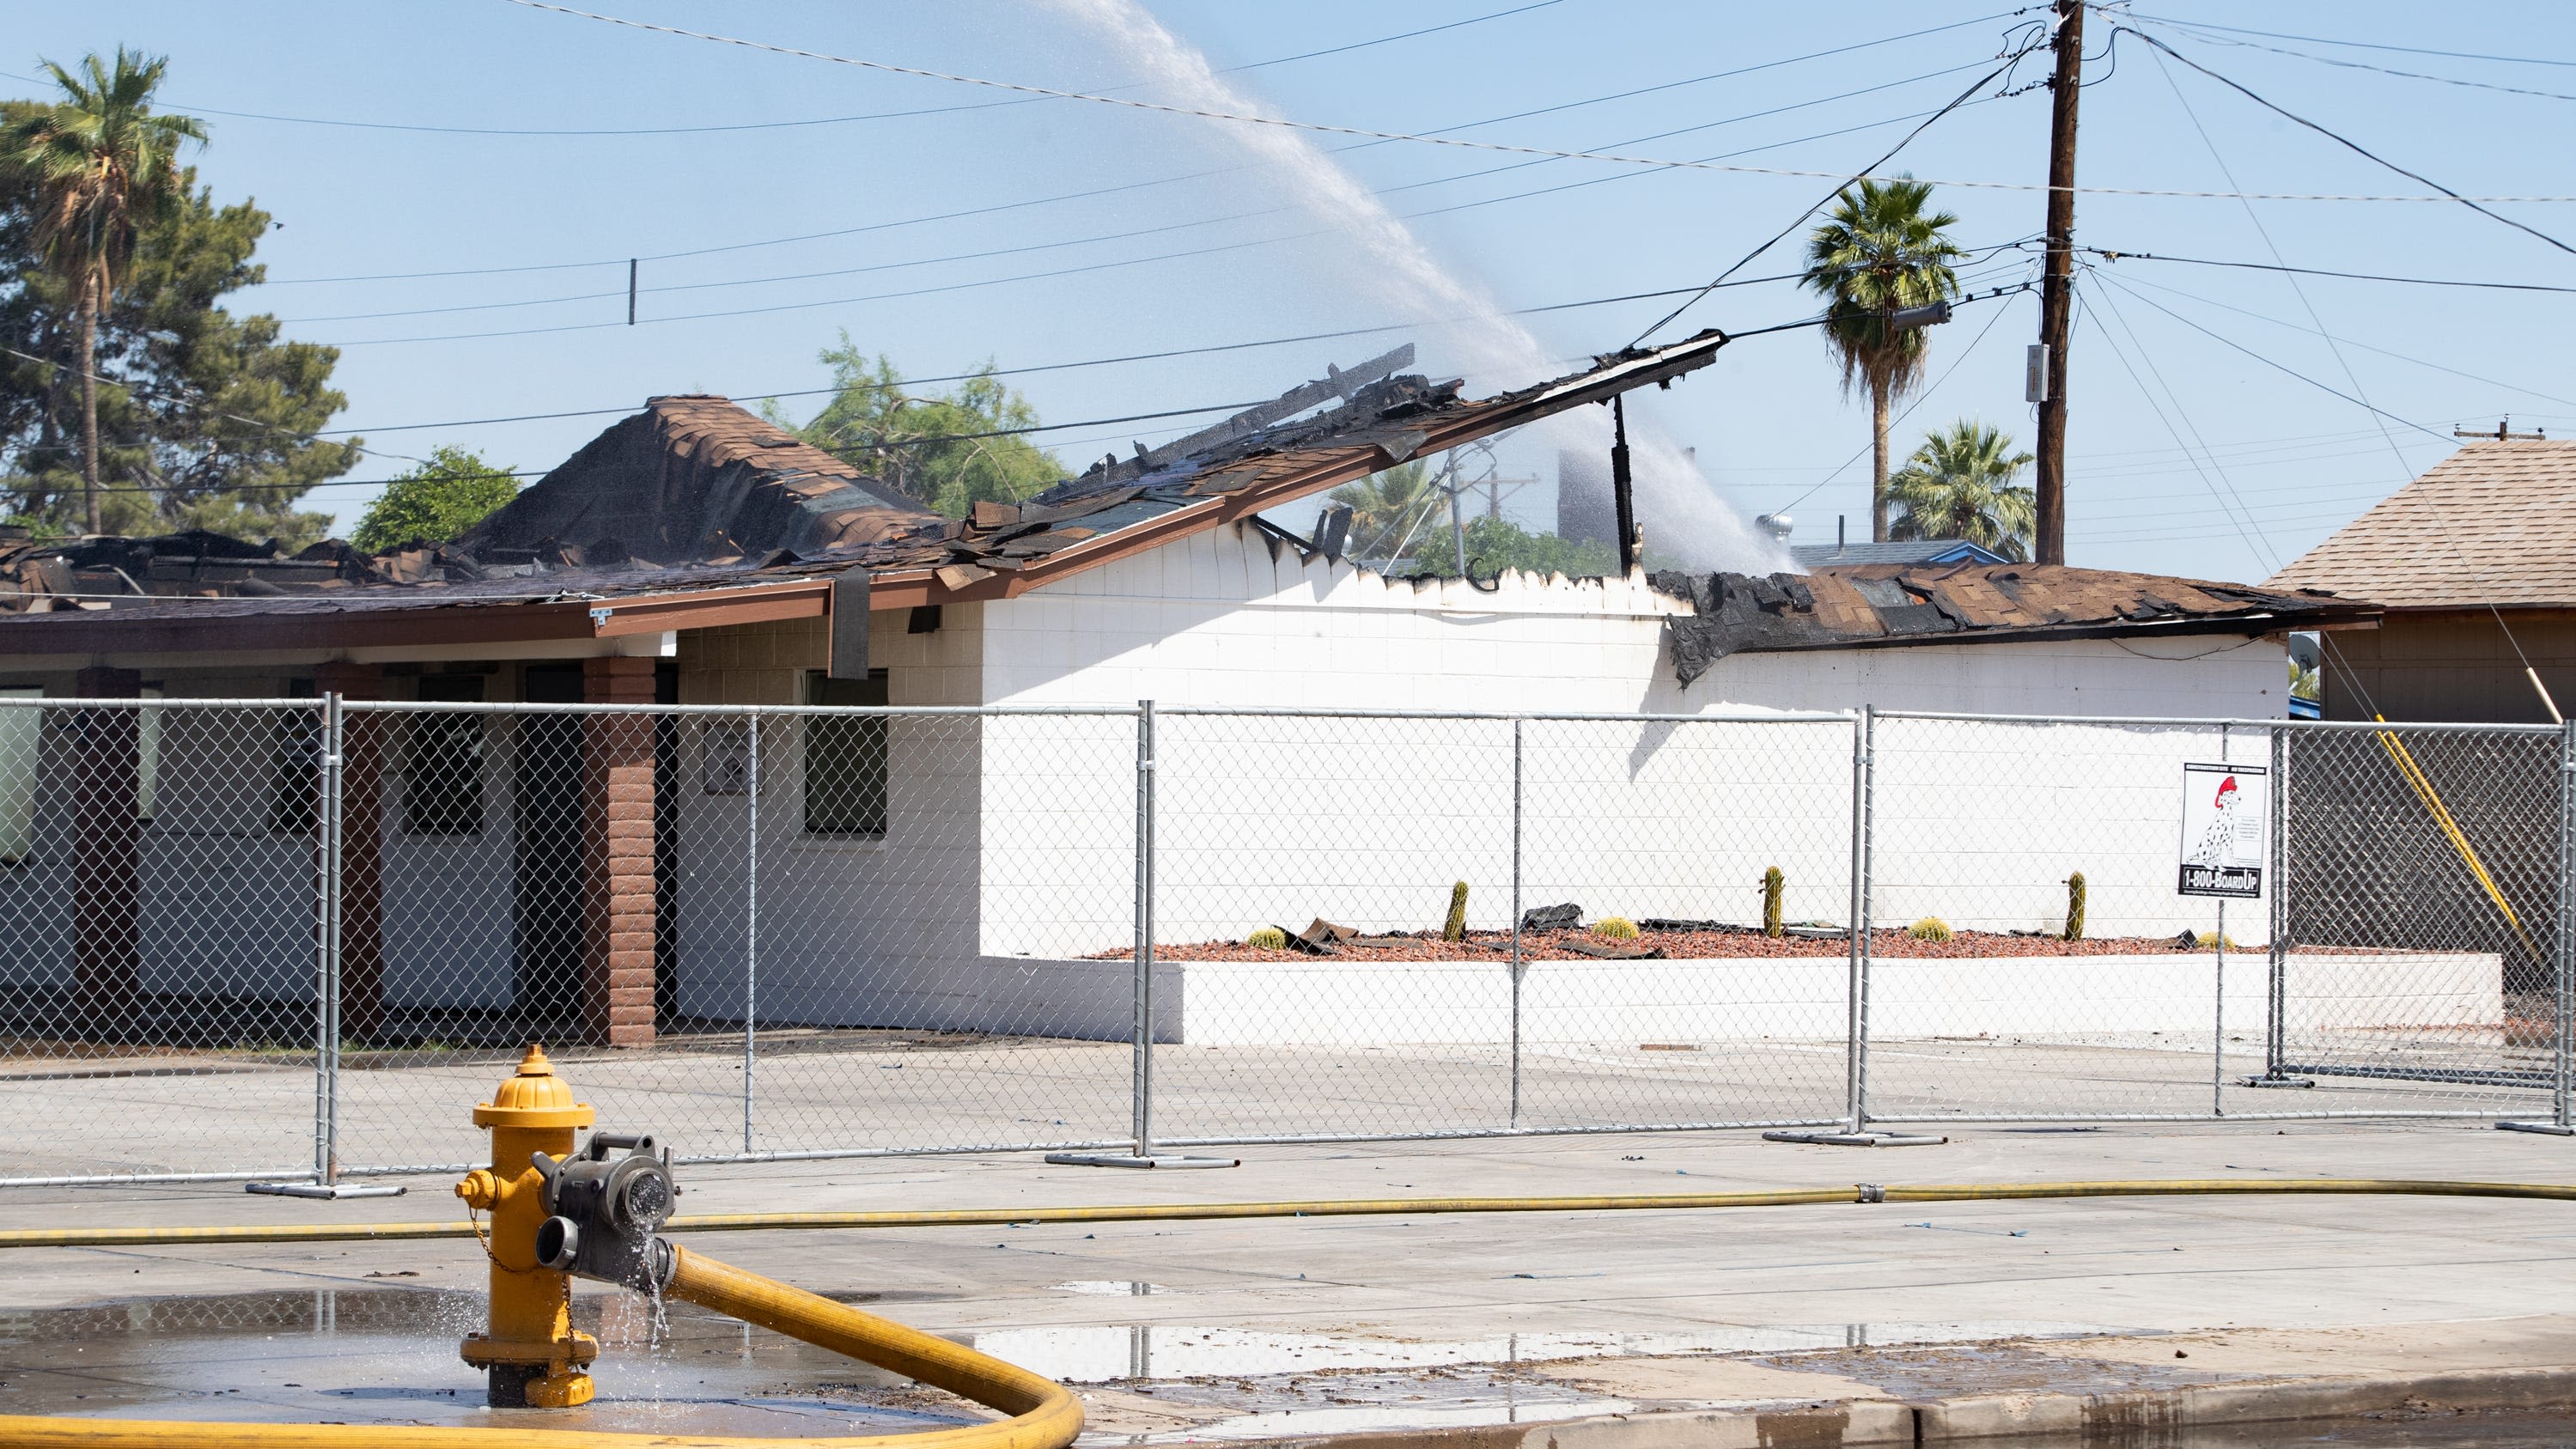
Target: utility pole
2057, 284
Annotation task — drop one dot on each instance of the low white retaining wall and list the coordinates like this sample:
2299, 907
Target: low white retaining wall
1331, 1002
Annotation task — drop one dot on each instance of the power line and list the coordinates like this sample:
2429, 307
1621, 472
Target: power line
2449, 80
1424, 139
1161, 181
788, 125
1148, 231
2356, 44
2340, 341
2344, 141
2113, 255
1800, 220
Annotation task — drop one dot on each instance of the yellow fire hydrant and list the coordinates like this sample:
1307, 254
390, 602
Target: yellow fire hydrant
529, 1351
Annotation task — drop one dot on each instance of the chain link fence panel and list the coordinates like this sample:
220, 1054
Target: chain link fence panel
160, 911
291, 937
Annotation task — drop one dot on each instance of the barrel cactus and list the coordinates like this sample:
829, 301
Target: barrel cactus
2075, 906
1615, 928
1268, 938
1930, 928
1455, 928
1773, 883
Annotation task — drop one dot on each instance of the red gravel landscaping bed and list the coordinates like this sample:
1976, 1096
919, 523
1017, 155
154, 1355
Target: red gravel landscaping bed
1695, 945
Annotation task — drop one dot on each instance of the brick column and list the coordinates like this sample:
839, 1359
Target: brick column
107, 852
362, 848
617, 850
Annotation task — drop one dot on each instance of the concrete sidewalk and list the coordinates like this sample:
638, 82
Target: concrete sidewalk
1258, 1328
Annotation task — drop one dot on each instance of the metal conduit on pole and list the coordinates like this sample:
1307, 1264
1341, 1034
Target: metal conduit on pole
2218, 988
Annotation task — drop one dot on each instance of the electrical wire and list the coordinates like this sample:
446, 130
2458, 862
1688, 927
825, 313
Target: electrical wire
2194, 32
813, 121
2116, 255
1160, 181
1154, 230
2009, 61
2355, 44
2346, 142
1425, 139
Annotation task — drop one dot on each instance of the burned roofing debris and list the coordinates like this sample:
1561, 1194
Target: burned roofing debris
694, 493
1893, 604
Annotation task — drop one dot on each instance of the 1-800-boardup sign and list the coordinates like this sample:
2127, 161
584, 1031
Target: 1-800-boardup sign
2224, 813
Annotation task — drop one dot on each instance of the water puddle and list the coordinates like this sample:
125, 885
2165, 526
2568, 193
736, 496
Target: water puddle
388, 1356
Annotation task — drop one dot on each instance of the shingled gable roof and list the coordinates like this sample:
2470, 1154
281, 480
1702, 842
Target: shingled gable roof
1877, 605
2494, 523
708, 516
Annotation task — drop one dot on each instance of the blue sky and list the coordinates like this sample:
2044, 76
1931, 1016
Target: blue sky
2188, 455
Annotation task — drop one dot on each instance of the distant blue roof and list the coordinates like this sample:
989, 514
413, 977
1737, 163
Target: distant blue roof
1912, 551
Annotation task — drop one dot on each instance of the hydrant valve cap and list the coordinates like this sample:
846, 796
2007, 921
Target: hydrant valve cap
534, 1097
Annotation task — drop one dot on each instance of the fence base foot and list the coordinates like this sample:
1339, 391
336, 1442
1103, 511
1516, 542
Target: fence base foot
1129, 1159
2546, 1129
1855, 1139
2276, 1081
331, 1190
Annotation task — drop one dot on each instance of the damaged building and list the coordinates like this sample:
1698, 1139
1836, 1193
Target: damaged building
695, 554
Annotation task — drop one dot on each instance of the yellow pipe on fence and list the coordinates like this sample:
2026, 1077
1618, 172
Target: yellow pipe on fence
2422, 784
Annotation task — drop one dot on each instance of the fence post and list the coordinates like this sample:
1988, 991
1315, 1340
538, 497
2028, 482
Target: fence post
750, 925
1143, 1078
1516, 921
326, 995
2566, 942
1856, 1043
2276, 998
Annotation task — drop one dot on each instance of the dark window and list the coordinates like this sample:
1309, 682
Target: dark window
845, 759
295, 765
442, 770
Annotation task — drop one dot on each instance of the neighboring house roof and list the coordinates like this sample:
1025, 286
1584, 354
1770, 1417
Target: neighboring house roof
1896, 604
695, 513
2492, 524
1911, 551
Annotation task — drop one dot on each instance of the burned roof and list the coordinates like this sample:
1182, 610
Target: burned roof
695, 479
2494, 523
1897, 604
700, 510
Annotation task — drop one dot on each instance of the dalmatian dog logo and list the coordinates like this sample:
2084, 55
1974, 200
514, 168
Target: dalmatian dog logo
2223, 825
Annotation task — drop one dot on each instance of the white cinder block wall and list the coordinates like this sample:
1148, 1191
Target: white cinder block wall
1368, 822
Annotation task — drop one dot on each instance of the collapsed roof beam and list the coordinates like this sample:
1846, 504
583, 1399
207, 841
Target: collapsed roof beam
1336, 385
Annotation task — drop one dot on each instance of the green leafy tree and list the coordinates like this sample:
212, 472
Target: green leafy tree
1959, 484
101, 167
434, 502
951, 450
204, 419
1496, 544
1879, 252
2306, 682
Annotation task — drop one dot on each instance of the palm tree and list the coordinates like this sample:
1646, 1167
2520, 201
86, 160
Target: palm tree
1876, 254
1959, 485
1392, 510
102, 164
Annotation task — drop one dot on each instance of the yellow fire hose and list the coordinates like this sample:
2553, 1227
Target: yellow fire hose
1327, 1208
1044, 1415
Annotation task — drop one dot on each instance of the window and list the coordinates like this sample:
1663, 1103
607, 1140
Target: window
442, 769
21, 726
845, 759
295, 766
